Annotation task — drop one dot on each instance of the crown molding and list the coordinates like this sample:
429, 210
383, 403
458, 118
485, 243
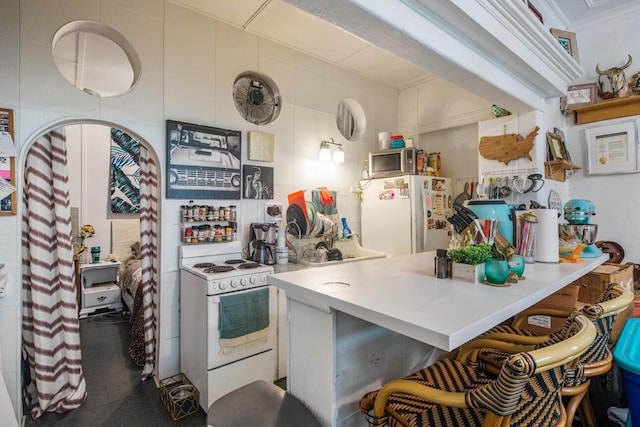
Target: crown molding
495, 49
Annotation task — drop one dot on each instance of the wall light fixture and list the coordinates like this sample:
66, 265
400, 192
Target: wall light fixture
325, 151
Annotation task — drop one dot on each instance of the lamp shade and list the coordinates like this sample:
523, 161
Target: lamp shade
338, 155
325, 152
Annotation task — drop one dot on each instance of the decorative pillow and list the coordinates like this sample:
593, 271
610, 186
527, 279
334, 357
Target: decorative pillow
135, 248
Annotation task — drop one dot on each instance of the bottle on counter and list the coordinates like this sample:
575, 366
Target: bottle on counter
440, 261
346, 231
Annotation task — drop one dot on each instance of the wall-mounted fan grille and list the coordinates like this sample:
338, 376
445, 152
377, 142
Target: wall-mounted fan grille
256, 98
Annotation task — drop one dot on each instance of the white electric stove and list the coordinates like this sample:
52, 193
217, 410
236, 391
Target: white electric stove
209, 273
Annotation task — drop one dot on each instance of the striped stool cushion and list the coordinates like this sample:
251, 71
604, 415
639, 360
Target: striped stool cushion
532, 401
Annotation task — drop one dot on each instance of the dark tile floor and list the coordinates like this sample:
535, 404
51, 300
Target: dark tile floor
115, 395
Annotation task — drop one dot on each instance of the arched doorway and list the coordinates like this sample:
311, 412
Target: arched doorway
149, 196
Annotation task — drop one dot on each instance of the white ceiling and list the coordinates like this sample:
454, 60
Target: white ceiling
280, 22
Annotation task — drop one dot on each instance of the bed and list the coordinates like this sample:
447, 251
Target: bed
125, 247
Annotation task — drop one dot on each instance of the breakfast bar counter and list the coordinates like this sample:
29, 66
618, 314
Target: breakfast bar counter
355, 326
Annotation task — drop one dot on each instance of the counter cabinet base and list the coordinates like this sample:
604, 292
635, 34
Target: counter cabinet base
344, 357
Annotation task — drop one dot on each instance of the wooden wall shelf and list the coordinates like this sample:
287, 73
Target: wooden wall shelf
557, 170
605, 110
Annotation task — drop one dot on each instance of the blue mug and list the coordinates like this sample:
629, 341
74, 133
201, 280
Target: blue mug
95, 254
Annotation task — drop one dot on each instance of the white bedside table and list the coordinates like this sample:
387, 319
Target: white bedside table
99, 287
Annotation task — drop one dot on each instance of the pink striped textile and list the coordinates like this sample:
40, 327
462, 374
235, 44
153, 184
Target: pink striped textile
149, 255
50, 326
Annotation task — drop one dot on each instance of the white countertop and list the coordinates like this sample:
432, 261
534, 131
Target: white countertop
401, 293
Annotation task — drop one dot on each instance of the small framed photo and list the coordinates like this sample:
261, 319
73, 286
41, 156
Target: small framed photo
634, 83
535, 12
560, 134
578, 95
612, 149
557, 150
568, 41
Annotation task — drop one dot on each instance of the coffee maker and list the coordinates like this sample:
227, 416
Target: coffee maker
262, 242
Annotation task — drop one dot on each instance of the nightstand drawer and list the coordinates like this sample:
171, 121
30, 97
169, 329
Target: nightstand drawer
100, 295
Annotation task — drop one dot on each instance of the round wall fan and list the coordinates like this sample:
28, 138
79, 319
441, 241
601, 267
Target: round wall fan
256, 98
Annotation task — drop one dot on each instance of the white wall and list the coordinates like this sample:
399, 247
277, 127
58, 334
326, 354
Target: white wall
607, 43
189, 63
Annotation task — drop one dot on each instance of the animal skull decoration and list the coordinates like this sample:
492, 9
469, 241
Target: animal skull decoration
617, 80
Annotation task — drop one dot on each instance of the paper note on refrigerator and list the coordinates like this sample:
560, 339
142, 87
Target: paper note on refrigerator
7, 149
5, 188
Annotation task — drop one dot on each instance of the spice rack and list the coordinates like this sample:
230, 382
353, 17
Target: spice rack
201, 224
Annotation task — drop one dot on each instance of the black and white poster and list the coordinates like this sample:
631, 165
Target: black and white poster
203, 162
258, 182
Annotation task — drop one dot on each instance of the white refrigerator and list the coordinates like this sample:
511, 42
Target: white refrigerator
406, 214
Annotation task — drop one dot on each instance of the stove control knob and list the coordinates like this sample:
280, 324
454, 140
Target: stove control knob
253, 280
234, 283
223, 285
244, 281
263, 278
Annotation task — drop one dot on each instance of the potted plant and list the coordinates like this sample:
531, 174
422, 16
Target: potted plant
468, 262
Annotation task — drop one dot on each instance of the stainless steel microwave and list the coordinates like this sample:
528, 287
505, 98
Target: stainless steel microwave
399, 161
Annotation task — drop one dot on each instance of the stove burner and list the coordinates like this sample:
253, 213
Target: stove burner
249, 265
235, 261
204, 265
219, 269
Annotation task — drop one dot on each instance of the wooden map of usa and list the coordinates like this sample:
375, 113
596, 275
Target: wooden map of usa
507, 147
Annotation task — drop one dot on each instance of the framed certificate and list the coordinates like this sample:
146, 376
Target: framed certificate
612, 149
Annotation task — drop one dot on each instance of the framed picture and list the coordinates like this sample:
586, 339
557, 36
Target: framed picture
125, 173
202, 162
612, 149
578, 95
634, 83
568, 41
535, 12
557, 149
260, 146
258, 182
560, 134
7, 166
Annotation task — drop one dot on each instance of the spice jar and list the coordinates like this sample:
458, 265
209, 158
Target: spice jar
227, 213
218, 233
234, 213
188, 234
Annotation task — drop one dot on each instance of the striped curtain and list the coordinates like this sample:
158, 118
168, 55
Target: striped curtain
50, 326
149, 249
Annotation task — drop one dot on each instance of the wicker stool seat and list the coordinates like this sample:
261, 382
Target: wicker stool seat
490, 383
259, 404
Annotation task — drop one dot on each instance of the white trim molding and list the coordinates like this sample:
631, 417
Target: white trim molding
495, 49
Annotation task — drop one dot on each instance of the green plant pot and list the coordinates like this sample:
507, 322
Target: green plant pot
516, 264
496, 270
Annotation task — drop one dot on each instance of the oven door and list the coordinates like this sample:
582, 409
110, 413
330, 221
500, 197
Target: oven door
217, 355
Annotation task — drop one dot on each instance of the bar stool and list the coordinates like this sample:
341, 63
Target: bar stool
259, 404
596, 360
490, 383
